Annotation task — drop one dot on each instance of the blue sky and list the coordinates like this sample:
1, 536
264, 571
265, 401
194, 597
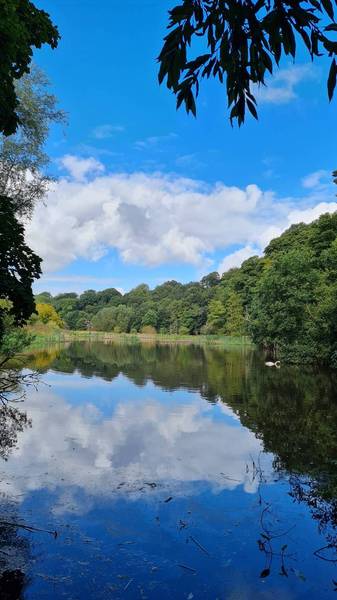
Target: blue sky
148, 193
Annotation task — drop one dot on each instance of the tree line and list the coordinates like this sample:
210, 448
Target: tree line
286, 300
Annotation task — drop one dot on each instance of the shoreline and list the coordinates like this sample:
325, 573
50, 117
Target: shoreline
51, 337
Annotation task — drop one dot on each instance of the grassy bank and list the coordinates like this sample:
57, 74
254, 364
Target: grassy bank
45, 335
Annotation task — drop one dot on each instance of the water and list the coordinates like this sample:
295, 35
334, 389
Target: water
169, 472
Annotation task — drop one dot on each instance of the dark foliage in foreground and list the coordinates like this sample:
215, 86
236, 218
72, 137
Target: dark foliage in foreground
22, 27
239, 42
19, 266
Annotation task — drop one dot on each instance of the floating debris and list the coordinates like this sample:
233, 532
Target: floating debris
230, 478
265, 573
128, 584
187, 568
127, 543
199, 545
168, 499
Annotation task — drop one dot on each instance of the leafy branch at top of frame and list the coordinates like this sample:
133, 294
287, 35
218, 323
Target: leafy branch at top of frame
244, 41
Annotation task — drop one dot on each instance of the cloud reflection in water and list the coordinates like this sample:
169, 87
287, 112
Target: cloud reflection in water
179, 446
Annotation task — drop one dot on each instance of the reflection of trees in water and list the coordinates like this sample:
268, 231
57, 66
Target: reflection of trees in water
14, 553
13, 384
203, 369
292, 411
14, 549
12, 422
12, 584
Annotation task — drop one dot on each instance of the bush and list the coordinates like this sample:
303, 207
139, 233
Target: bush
149, 330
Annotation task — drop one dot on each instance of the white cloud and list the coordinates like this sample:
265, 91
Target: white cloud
310, 214
80, 168
281, 87
314, 180
103, 132
235, 259
157, 219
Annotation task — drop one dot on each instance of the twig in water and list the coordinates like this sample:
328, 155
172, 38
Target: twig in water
28, 528
319, 555
187, 568
199, 545
230, 478
128, 584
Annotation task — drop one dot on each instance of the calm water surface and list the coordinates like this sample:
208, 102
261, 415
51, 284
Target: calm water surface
169, 472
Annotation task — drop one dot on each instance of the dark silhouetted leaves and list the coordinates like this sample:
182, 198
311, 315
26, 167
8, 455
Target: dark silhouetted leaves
244, 40
22, 28
332, 79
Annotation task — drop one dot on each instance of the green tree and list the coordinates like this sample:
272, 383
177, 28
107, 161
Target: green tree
109, 296
22, 27
19, 266
13, 340
192, 319
23, 152
235, 320
44, 297
124, 317
88, 297
216, 321
239, 43
211, 280
76, 319
285, 298
150, 319
105, 319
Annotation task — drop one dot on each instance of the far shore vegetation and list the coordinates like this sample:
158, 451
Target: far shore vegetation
45, 335
284, 302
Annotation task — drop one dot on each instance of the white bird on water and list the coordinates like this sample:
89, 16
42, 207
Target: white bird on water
276, 364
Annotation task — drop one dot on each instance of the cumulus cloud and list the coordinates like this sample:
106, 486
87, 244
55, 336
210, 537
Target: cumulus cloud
153, 219
310, 214
80, 168
281, 88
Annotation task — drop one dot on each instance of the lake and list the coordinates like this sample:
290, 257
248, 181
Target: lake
169, 472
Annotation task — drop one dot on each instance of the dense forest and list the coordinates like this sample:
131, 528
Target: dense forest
286, 300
